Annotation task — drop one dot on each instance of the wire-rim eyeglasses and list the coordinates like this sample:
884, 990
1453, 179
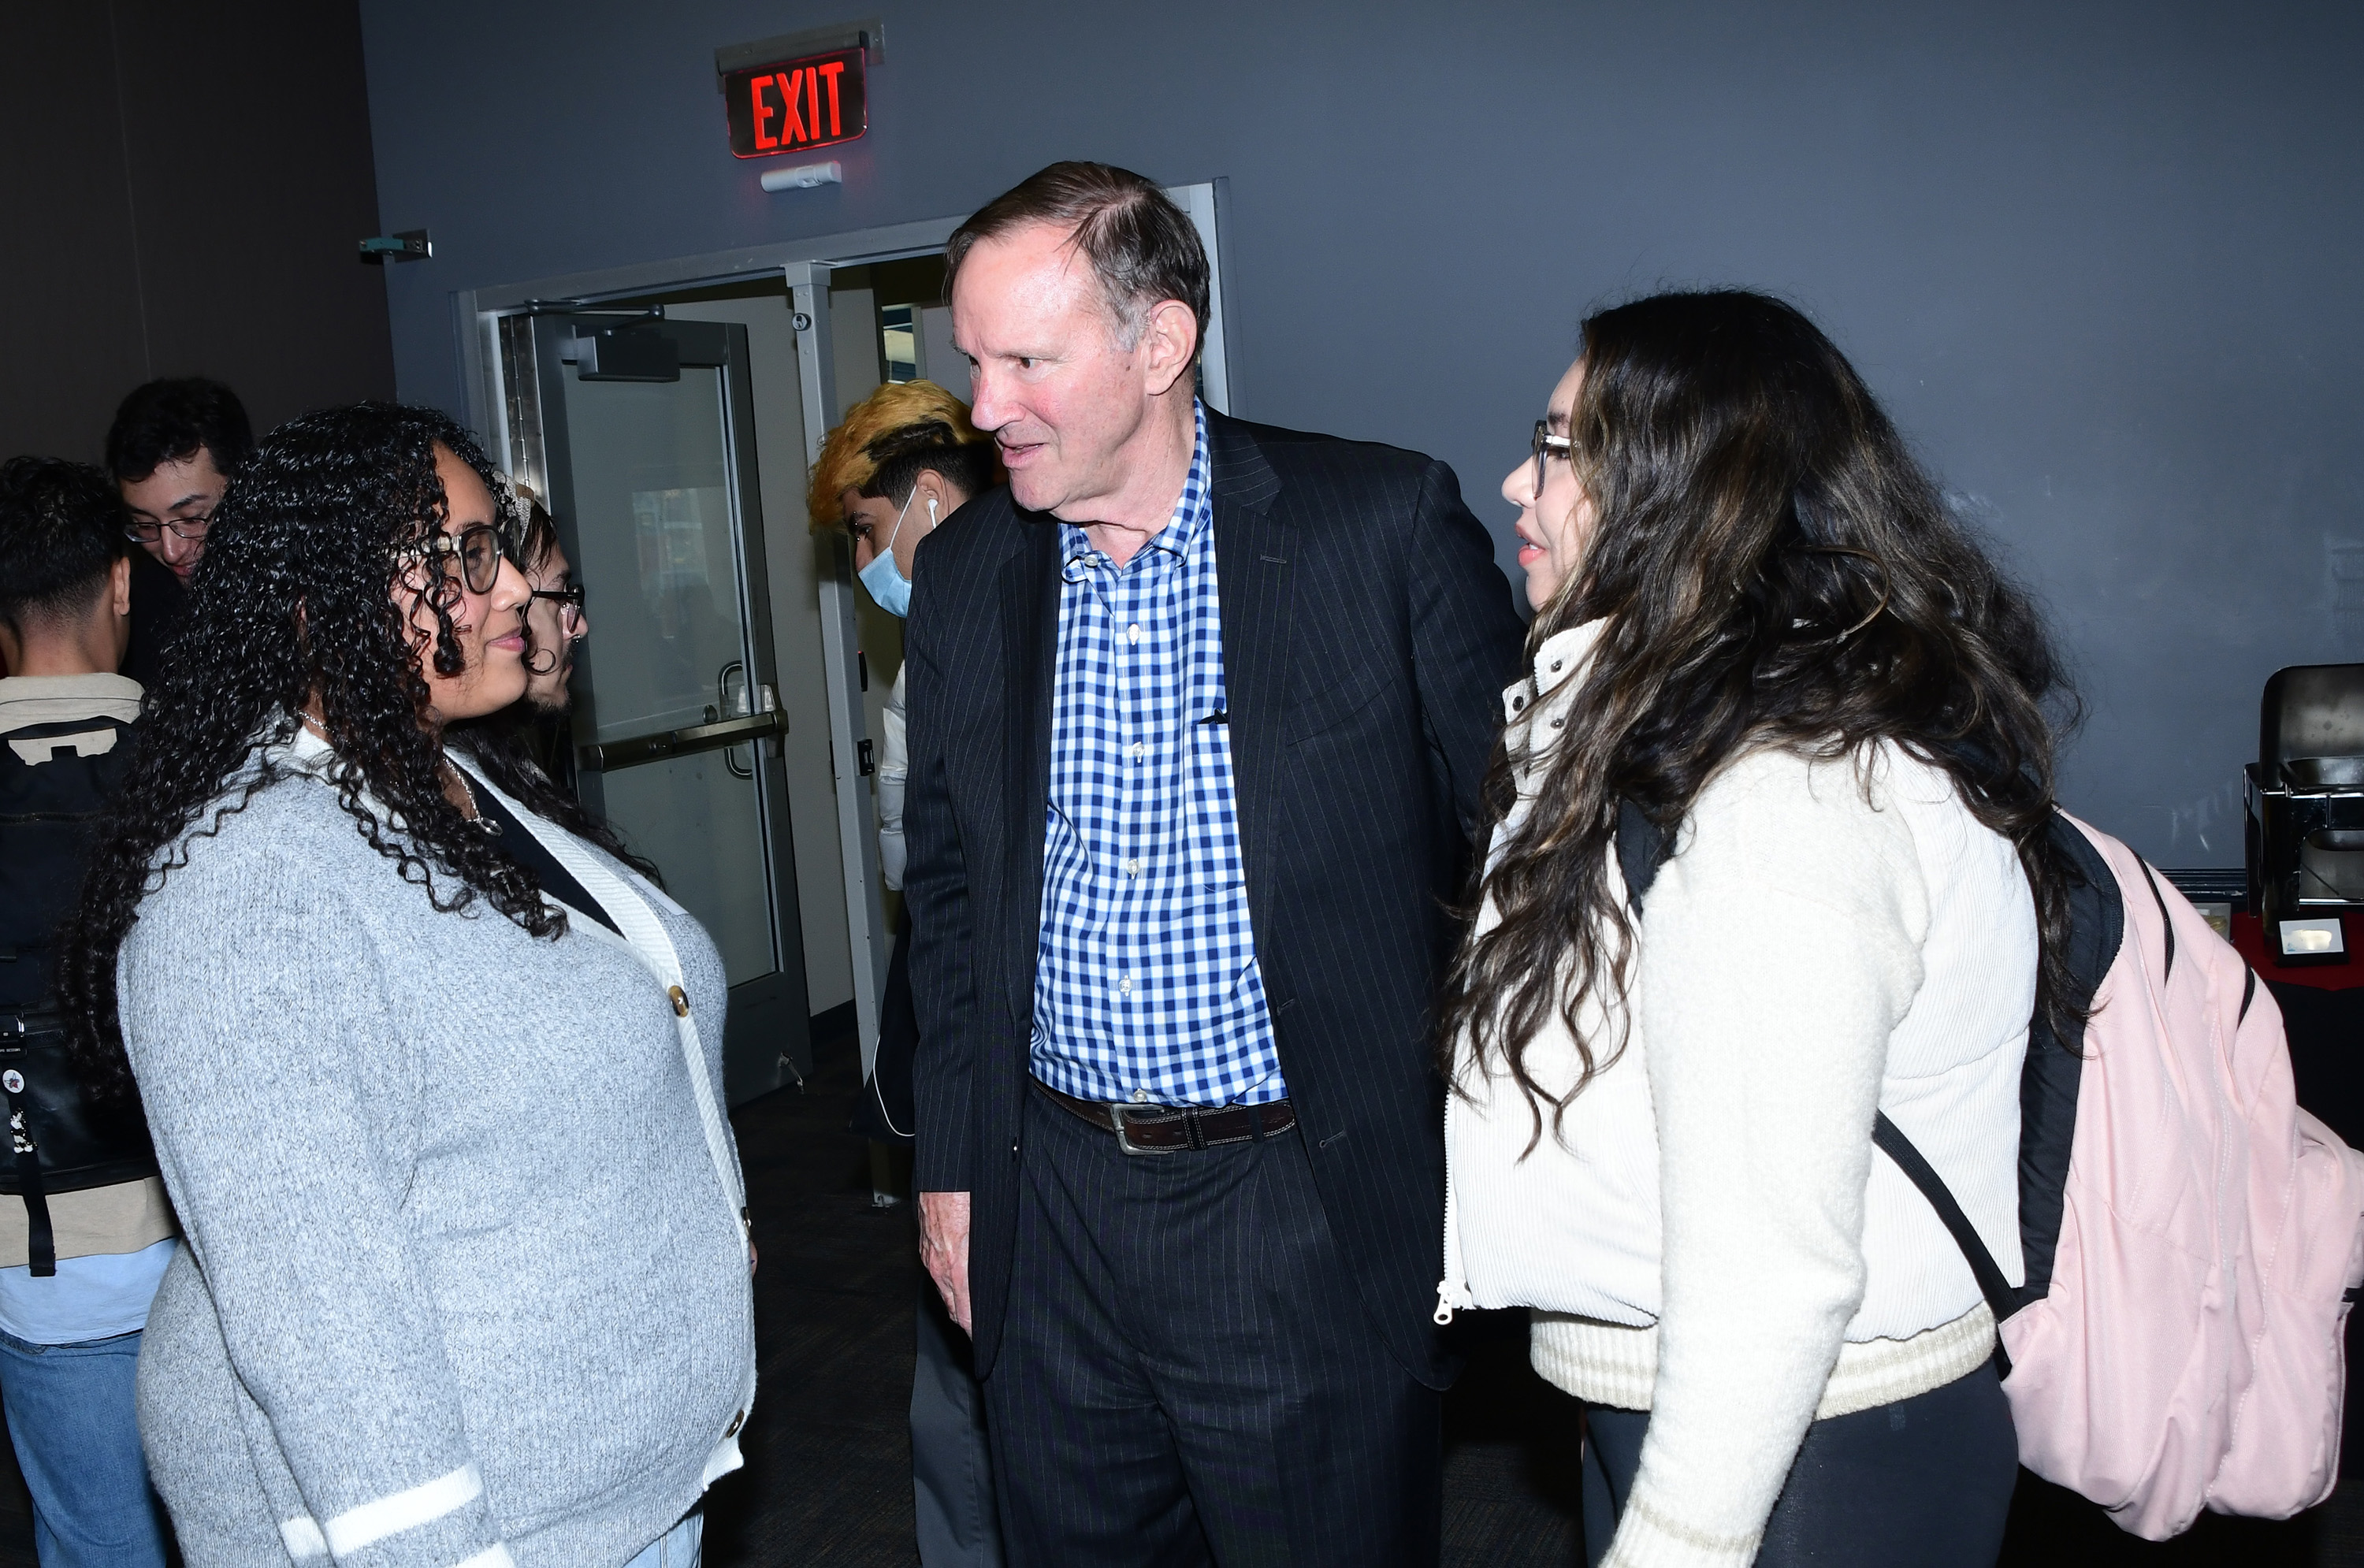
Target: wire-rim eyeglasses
1548, 445
182, 528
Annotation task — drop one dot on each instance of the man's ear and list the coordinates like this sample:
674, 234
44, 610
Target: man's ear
1169, 344
931, 487
119, 585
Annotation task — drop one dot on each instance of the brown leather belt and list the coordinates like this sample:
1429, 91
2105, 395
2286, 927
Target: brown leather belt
1176, 1130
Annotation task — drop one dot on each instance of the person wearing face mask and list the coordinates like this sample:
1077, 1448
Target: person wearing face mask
433, 1074
905, 460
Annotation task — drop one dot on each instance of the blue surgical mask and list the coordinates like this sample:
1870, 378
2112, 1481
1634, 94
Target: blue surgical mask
885, 579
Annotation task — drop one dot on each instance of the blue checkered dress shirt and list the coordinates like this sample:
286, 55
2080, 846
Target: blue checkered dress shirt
1147, 989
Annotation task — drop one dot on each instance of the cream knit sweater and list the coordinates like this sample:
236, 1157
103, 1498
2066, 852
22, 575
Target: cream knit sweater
1711, 1236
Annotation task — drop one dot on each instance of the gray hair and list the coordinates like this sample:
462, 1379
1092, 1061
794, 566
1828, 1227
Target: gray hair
1141, 247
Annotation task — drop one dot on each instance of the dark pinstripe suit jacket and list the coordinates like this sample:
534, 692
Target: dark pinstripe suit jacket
1368, 635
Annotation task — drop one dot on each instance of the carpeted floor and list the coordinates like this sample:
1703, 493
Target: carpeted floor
828, 1479
828, 1484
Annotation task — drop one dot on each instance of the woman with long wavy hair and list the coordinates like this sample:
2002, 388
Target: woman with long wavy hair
1764, 652
431, 1073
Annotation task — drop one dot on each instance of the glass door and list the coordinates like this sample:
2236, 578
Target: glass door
647, 447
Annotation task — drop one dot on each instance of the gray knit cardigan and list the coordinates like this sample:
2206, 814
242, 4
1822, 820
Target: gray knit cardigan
466, 1282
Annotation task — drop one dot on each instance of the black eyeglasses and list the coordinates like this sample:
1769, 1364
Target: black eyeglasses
182, 528
569, 601
1548, 445
476, 550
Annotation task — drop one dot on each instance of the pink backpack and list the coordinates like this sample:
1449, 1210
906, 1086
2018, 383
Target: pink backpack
2193, 1238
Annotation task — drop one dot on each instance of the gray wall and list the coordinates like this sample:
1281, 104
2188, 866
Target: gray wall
2098, 259
181, 189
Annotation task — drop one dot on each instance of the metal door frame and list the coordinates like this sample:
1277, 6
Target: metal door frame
491, 383
842, 667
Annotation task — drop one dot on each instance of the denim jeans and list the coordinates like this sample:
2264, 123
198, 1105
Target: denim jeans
678, 1547
77, 1439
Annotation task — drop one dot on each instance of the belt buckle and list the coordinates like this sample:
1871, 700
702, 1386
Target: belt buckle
1124, 1139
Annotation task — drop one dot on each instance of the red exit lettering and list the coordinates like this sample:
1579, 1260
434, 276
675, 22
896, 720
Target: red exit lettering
797, 103
763, 112
832, 72
792, 123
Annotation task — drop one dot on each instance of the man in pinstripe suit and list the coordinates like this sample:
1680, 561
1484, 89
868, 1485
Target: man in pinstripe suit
1198, 713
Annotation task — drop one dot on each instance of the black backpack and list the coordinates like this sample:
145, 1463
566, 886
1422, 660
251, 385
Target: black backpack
54, 781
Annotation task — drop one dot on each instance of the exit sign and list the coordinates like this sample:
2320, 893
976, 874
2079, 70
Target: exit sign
789, 105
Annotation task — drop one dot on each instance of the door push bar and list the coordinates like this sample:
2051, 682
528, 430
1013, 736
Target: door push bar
614, 754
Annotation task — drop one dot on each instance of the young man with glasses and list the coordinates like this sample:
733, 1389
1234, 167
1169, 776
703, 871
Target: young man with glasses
172, 450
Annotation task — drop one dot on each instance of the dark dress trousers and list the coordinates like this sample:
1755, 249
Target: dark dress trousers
1367, 636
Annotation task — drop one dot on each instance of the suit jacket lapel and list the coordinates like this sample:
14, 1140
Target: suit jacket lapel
1256, 553
1030, 622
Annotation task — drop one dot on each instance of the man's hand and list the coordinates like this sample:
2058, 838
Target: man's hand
943, 1248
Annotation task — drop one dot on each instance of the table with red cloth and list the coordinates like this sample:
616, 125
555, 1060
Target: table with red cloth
2322, 1013
2323, 1017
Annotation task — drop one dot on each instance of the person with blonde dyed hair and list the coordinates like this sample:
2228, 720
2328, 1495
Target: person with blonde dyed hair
908, 444
906, 459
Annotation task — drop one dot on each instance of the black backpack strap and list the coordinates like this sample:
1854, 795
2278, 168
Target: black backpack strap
1890, 1140
2166, 923
40, 1237
1642, 847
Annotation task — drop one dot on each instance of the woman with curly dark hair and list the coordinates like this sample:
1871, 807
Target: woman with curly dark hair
466, 1279
1817, 714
